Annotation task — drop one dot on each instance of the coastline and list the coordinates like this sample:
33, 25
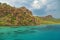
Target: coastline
28, 26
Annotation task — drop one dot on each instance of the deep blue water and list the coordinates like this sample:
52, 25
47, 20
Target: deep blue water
42, 32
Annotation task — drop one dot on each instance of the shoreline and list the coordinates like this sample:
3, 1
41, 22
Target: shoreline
28, 26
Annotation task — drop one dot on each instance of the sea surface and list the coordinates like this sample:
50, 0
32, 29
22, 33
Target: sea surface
41, 32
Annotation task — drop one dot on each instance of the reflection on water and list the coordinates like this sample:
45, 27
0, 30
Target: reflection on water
30, 33
23, 32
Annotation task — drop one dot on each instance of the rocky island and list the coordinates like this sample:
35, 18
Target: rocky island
12, 16
16, 16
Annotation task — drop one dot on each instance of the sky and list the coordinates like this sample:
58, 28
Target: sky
38, 7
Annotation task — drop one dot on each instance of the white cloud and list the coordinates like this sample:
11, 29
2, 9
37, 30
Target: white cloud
6, 1
36, 4
50, 10
44, 1
12, 2
50, 7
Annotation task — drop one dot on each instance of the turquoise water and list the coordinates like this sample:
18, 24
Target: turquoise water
42, 32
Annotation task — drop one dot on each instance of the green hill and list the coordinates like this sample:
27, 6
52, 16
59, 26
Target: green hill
16, 16
13, 16
48, 20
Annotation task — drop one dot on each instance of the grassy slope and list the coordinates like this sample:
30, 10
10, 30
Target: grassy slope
49, 21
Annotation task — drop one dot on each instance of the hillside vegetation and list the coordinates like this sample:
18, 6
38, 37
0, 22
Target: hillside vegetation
48, 20
13, 16
16, 16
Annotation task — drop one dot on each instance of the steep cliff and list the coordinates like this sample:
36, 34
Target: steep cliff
16, 16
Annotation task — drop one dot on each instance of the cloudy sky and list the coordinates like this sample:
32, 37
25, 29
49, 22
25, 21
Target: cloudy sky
38, 7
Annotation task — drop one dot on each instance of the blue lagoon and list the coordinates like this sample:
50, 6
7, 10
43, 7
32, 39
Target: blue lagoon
43, 32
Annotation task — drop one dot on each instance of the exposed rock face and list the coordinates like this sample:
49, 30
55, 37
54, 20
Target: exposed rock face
47, 17
16, 16
25, 10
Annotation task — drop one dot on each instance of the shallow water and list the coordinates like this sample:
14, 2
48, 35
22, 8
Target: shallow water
42, 32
